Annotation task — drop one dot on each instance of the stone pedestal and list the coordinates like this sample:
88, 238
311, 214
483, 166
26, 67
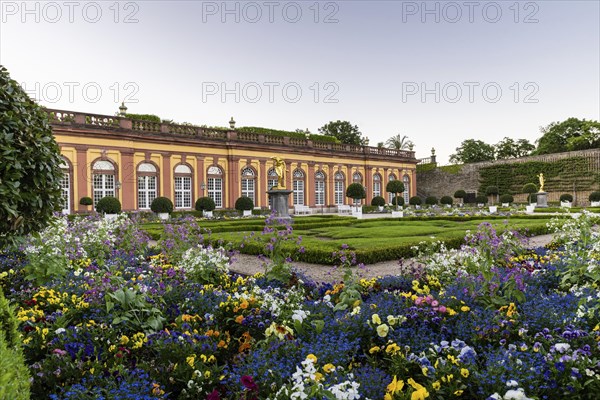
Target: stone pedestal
279, 202
542, 199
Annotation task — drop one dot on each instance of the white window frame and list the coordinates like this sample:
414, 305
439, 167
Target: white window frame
298, 187
376, 185
319, 188
65, 186
248, 183
215, 185
146, 185
338, 193
183, 187
406, 194
103, 183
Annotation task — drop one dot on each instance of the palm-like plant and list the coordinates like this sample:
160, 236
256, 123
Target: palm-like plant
399, 142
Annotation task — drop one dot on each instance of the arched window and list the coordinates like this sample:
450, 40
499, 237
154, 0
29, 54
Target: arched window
356, 178
183, 186
338, 193
298, 186
215, 185
376, 185
103, 180
406, 181
319, 188
392, 177
249, 183
271, 182
147, 176
65, 187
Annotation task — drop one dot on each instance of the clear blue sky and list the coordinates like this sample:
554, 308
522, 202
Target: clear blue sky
428, 70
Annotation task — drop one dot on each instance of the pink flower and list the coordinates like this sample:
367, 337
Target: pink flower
442, 309
418, 300
249, 383
60, 352
435, 303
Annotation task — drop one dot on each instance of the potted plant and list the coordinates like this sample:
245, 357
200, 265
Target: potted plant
446, 201
431, 201
378, 201
415, 201
491, 191
460, 194
395, 187
206, 205
595, 199
163, 206
245, 205
356, 191
506, 199
109, 206
481, 200
86, 201
566, 200
398, 203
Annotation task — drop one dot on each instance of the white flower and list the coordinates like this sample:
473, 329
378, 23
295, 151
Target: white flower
562, 347
512, 383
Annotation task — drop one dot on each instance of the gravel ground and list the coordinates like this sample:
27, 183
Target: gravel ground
249, 265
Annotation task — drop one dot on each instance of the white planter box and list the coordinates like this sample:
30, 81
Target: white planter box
247, 213
207, 214
397, 214
493, 209
505, 204
566, 204
595, 204
530, 208
480, 205
110, 217
380, 208
163, 216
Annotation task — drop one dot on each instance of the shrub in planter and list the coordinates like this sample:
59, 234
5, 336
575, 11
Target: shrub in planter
394, 187
530, 188
86, 201
491, 190
594, 196
244, 203
460, 194
446, 200
205, 204
398, 201
356, 191
162, 205
566, 198
108, 205
378, 201
506, 198
431, 200
415, 201
481, 199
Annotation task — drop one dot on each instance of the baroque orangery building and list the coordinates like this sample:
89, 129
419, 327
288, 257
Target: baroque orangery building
137, 161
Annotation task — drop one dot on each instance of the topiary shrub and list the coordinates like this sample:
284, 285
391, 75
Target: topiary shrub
108, 205
533, 198
205, 204
491, 190
481, 199
395, 187
566, 197
244, 203
162, 205
86, 201
529, 188
30, 171
446, 200
356, 191
415, 201
378, 201
506, 198
594, 196
460, 194
398, 201
431, 200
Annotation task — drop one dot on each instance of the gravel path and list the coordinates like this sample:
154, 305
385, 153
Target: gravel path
249, 265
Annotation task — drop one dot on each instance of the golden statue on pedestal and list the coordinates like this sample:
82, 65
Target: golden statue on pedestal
541, 178
279, 166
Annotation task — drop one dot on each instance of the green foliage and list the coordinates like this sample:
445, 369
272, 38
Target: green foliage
272, 132
30, 170
571, 134
356, 191
460, 194
205, 204
509, 148
415, 201
451, 169
566, 197
431, 200
8, 323
506, 198
144, 117
447, 200
471, 151
131, 309
162, 205
378, 201
422, 168
395, 186
244, 203
399, 142
344, 131
491, 190
594, 196
86, 201
481, 199
398, 201
108, 205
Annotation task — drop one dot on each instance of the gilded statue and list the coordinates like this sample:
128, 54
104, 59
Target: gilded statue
541, 178
279, 166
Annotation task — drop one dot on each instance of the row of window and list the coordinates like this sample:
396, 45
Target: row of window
104, 184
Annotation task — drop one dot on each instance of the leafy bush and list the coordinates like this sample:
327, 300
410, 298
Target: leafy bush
395, 187
529, 188
566, 197
506, 198
30, 169
205, 204
431, 200
162, 205
356, 191
398, 201
108, 205
144, 117
378, 201
491, 190
594, 196
481, 199
447, 200
460, 194
244, 203
533, 198
86, 201
415, 201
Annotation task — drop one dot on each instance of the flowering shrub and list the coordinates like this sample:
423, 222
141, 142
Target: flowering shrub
491, 320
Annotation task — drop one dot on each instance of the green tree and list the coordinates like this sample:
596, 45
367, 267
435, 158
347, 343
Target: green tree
571, 134
399, 142
509, 148
356, 191
395, 187
471, 151
344, 131
30, 170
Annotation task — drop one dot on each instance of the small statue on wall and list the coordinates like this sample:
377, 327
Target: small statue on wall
541, 178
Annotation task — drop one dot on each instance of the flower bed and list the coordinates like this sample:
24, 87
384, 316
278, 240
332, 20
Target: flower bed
104, 316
